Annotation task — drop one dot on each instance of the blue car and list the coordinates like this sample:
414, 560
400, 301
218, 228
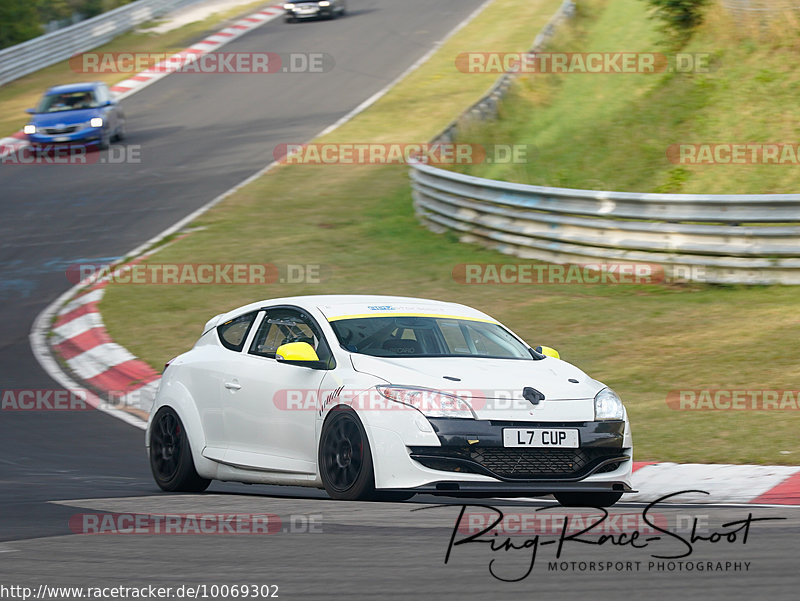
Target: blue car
76, 114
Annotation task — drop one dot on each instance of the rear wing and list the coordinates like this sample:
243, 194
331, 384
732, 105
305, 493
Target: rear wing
211, 323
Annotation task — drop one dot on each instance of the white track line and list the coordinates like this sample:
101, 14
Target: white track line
90, 297
77, 326
99, 359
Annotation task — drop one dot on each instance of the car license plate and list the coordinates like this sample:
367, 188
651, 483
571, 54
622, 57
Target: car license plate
61, 139
541, 438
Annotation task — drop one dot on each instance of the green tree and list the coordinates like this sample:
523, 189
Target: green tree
19, 21
53, 10
22, 20
678, 18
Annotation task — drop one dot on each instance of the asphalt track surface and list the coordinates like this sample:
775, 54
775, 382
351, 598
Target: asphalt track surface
199, 136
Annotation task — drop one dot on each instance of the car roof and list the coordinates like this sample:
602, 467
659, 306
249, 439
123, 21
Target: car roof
340, 306
73, 87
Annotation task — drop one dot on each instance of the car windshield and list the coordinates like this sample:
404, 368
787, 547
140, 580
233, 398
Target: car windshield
397, 337
70, 101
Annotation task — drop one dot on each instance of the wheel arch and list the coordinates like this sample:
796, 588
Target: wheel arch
177, 397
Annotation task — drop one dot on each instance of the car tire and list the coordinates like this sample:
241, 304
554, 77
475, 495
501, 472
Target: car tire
290, 20
170, 456
587, 499
105, 141
345, 458
121, 132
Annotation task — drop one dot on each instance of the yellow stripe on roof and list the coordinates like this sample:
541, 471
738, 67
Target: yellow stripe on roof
392, 314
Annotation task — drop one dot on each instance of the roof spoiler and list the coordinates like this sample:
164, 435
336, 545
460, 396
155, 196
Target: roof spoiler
211, 323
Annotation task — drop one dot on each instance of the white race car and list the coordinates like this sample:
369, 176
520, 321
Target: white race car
378, 397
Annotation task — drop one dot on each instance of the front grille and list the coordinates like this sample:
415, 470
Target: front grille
52, 131
514, 463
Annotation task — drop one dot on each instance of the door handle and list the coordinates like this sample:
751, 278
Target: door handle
232, 386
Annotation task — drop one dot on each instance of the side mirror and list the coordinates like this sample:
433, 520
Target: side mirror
301, 354
30, 111
548, 351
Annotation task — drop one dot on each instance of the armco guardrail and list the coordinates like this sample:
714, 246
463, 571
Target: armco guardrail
753, 239
51, 48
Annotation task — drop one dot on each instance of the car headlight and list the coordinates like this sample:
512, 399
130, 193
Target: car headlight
96, 122
288, 6
29, 129
324, 3
607, 405
431, 403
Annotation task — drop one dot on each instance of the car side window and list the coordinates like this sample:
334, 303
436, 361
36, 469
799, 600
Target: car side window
233, 333
282, 326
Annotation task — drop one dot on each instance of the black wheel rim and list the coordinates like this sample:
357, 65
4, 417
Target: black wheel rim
343, 453
165, 445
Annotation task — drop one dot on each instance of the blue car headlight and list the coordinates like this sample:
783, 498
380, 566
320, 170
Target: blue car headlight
29, 129
96, 122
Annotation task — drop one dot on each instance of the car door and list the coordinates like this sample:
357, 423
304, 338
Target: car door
263, 430
208, 378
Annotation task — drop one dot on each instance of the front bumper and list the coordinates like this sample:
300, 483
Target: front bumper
509, 489
459, 464
479, 450
319, 12
85, 136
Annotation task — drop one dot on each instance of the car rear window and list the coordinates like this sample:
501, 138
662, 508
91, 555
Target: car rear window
233, 333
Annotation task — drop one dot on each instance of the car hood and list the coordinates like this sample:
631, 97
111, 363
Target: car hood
65, 117
494, 386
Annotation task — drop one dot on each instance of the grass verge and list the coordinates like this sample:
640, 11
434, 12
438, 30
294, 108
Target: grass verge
357, 222
612, 131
